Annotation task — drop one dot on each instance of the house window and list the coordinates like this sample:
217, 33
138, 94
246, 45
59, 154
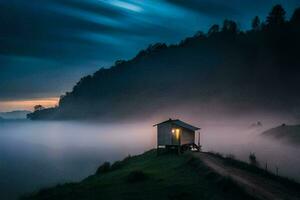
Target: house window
176, 131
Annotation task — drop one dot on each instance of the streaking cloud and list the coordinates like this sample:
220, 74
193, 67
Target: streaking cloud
125, 5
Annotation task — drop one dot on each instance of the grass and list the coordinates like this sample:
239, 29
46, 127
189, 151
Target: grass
148, 176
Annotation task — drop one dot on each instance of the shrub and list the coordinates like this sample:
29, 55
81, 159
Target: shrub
192, 161
117, 165
230, 157
136, 176
252, 159
179, 195
211, 175
126, 158
227, 184
104, 168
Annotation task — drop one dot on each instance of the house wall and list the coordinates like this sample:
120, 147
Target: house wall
187, 137
166, 137
164, 134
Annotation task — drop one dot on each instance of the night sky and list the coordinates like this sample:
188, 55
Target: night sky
47, 45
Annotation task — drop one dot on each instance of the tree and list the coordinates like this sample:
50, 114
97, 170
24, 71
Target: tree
276, 17
214, 29
38, 107
230, 26
256, 23
295, 20
120, 62
200, 34
104, 168
156, 47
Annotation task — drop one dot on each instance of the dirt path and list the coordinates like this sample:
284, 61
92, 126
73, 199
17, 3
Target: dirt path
257, 186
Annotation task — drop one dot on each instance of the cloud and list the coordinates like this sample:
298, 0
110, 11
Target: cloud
58, 41
212, 8
46, 46
32, 30
52, 28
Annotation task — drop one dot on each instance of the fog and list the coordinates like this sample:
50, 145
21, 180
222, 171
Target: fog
243, 140
38, 154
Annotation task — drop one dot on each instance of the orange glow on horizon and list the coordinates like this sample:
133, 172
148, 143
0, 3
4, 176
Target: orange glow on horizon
27, 104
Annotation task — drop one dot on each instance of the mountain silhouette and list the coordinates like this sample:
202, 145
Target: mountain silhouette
225, 67
16, 114
287, 133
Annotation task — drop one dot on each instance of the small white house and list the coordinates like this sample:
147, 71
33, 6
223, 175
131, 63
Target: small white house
176, 133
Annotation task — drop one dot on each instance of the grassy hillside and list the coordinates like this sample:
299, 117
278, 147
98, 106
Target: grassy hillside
148, 176
288, 133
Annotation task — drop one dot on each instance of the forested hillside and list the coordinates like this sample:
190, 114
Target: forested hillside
225, 67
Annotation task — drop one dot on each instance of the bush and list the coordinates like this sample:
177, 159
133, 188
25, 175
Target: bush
126, 158
179, 195
211, 175
230, 157
252, 159
228, 185
117, 165
192, 161
104, 168
136, 176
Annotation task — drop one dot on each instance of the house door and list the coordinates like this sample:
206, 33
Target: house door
176, 136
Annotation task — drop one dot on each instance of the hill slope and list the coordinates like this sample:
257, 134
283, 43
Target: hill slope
149, 177
288, 133
169, 176
225, 68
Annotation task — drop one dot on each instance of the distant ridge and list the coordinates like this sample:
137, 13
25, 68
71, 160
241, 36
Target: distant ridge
289, 133
18, 114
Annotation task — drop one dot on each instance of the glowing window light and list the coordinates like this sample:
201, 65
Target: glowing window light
176, 132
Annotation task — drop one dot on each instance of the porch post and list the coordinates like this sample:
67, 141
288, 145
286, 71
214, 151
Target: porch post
199, 146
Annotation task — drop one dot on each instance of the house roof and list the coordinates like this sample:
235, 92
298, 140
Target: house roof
179, 123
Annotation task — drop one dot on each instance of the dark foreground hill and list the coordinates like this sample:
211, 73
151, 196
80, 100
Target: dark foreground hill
226, 68
287, 133
204, 176
148, 177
